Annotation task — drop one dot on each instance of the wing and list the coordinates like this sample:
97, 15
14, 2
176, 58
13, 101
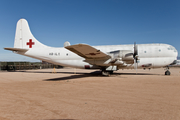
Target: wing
87, 51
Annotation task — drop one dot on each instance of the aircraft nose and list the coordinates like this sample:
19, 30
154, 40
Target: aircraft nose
175, 52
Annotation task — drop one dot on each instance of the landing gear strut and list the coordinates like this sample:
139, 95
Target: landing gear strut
167, 71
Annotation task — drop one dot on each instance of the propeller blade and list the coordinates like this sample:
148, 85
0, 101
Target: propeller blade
135, 49
135, 56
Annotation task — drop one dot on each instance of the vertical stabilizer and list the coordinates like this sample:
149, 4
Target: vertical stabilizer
24, 37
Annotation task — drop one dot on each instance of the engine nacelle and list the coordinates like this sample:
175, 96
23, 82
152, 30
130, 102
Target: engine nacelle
124, 55
120, 58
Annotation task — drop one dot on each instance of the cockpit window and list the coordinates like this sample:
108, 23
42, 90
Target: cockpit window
172, 48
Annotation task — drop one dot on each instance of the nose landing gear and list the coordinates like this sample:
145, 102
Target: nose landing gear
167, 71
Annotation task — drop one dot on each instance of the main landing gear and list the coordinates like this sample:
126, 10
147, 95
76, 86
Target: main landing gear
167, 71
106, 73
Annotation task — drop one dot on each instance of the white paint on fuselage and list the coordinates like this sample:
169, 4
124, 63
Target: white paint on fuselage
158, 55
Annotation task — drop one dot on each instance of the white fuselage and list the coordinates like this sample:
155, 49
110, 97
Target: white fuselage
107, 58
157, 55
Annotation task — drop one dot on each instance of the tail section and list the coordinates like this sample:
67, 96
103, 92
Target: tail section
24, 38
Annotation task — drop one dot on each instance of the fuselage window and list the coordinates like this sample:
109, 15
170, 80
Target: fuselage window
50, 53
144, 51
172, 48
159, 50
67, 54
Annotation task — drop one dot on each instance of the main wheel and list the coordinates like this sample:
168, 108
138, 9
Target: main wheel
167, 72
105, 73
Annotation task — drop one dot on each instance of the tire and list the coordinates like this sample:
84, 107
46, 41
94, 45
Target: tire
167, 72
105, 73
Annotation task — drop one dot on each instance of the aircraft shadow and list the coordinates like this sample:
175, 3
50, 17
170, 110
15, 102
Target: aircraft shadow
78, 73
92, 74
82, 74
76, 76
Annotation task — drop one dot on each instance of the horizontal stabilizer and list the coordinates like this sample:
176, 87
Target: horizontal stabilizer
87, 51
16, 49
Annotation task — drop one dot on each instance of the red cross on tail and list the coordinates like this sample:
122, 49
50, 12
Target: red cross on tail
30, 43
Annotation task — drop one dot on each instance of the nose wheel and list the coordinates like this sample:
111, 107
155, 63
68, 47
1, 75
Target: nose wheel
167, 71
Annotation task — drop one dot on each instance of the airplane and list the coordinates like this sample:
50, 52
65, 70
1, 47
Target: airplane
175, 64
107, 58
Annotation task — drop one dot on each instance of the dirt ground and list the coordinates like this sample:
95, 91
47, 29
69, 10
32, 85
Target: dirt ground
86, 95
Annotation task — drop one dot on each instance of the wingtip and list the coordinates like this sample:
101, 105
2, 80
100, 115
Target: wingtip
16, 49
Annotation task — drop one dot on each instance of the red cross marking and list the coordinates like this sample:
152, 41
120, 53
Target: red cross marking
30, 43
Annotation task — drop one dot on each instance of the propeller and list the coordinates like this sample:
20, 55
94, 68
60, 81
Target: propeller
135, 56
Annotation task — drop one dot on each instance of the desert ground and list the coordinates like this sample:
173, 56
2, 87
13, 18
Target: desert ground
71, 94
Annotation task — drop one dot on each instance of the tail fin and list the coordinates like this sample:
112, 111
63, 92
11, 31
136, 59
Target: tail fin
24, 38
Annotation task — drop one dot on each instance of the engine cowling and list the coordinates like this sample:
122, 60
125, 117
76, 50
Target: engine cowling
124, 55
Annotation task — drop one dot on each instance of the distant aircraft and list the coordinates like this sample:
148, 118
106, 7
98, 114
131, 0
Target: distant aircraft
107, 58
175, 64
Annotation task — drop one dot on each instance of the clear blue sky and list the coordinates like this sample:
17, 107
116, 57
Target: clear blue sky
94, 22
